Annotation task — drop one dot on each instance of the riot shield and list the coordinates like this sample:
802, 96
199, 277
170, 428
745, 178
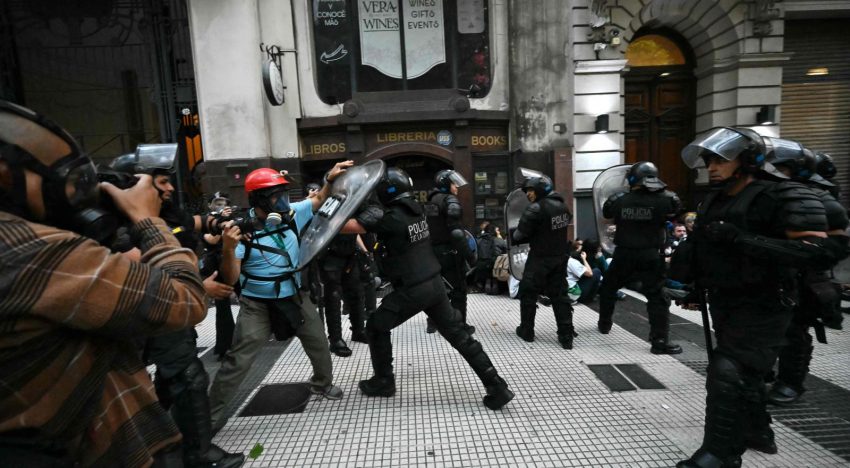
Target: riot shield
515, 205
348, 192
607, 183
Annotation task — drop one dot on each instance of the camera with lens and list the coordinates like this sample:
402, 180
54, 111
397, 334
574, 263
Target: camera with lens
247, 224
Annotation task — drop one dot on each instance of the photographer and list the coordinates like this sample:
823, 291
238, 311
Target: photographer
271, 300
219, 205
181, 380
76, 391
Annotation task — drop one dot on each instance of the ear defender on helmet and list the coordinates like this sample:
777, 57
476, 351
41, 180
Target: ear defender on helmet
394, 185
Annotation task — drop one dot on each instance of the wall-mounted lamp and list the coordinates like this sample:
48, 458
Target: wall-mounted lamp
559, 128
766, 115
602, 123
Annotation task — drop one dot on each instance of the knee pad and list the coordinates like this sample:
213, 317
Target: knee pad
470, 346
195, 377
725, 369
382, 320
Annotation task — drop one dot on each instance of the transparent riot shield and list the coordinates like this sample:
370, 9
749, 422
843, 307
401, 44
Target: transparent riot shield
348, 192
607, 183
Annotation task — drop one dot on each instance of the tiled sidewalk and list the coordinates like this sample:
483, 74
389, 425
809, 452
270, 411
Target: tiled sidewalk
562, 415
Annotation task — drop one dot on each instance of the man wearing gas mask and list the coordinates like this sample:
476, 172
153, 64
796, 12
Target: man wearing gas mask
72, 309
265, 263
753, 231
181, 379
412, 268
448, 238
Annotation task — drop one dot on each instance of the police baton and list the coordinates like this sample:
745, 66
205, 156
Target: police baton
706, 322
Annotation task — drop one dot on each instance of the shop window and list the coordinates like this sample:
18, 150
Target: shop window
491, 186
654, 50
392, 45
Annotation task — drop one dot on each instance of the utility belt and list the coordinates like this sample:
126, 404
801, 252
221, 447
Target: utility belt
288, 276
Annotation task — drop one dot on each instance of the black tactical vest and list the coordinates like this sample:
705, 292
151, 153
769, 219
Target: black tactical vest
406, 236
435, 210
641, 217
550, 236
721, 265
836, 214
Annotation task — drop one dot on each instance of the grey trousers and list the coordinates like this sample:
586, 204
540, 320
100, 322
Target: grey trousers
253, 329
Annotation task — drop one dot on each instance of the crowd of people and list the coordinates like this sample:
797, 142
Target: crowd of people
89, 316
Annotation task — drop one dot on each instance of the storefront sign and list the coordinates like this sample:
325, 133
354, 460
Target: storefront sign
380, 44
380, 40
323, 147
424, 36
442, 137
488, 139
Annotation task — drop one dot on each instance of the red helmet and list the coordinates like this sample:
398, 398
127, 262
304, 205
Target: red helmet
264, 178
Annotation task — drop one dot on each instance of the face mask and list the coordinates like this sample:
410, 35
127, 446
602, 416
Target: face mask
280, 212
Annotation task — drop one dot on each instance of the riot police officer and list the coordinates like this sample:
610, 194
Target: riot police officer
817, 304
751, 234
543, 226
444, 214
181, 380
640, 216
413, 270
340, 273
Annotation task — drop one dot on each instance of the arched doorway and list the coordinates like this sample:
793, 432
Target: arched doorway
421, 169
660, 105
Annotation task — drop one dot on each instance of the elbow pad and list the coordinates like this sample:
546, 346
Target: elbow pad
369, 216
608, 206
787, 252
453, 209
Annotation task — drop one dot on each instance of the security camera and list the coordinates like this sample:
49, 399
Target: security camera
614, 32
597, 46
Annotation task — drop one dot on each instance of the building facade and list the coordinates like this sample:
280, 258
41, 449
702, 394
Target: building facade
482, 86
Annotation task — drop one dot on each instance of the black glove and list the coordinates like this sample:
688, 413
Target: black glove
719, 231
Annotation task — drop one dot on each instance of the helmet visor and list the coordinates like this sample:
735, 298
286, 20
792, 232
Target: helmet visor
526, 173
780, 149
457, 179
723, 142
159, 156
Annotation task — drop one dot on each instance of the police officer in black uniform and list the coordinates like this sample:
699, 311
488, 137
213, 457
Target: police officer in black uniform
340, 275
544, 226
640, 215
444, 214
413, 270
817, 305
751, 235
181, 381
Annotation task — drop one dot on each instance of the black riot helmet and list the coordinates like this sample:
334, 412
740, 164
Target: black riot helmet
69, 184
312, 187
824, 165
645, 174
536, 181
791, 155
444, 179
154, 159
730, 143
395, 184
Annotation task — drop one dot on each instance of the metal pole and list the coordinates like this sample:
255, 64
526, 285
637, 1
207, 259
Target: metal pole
706, 323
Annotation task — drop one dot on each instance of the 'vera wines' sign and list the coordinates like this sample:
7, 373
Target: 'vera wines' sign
381, 22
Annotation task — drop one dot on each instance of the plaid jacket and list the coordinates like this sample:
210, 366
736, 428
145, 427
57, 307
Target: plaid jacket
70, 377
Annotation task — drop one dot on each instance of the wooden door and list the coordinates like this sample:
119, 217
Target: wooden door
659, 123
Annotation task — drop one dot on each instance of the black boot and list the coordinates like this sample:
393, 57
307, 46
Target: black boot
783, 395
703, 459
604, 327
191, 413
661, 346
525, 333
359, 336
430, 327
566, 338
378, 386
340, 348
498, 394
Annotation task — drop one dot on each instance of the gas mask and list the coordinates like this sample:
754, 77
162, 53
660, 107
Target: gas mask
278, 213
69, 189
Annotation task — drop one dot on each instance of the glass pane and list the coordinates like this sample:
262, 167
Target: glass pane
332, 25
654, 50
